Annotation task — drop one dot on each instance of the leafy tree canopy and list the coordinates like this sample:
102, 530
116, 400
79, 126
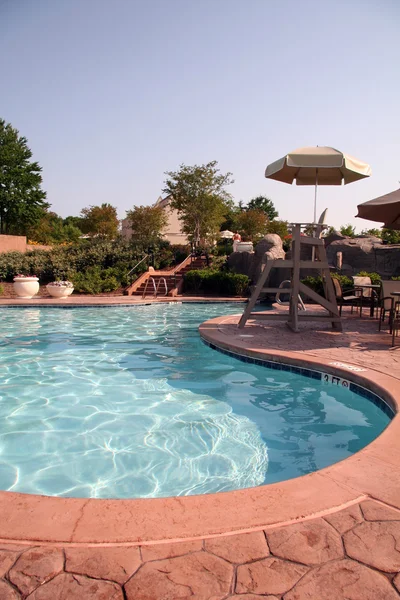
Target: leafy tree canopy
252, 224
230, 222
265, 204
279, 227
147, 223
75, 221
53, 229
198, 194
101, 221
372, 232
391, 236
21, 198
348, 230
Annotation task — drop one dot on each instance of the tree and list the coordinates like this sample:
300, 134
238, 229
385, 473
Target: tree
52, 229
252, 223
279, 227
374, 232
198, 194
147, 223
329, 231
265, 204
230, 218
75, 221
21, 198
348, 230
101, 221
390, 236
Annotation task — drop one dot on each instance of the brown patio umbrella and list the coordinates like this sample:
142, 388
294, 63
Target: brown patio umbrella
317, 165
384, 209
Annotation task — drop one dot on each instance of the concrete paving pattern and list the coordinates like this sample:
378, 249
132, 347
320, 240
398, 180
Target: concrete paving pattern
351, 554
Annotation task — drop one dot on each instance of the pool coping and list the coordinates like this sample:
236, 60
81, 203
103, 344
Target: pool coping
372, 472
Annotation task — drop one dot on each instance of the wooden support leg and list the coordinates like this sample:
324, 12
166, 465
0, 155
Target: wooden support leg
293, 322
257, 291
329, 289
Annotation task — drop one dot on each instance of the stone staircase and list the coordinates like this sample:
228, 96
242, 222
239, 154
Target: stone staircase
173, 278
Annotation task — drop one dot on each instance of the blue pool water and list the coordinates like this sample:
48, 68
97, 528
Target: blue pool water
123, 402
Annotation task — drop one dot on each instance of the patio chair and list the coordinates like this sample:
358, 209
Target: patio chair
369, 294
359, 281
386, 301
353, 297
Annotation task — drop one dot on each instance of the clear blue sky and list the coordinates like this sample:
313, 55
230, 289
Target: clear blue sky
111, 94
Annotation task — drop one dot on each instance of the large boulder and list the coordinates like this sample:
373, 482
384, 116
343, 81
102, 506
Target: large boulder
333, 237
365, 254
241, 262
252, 263
269, 248
387, 260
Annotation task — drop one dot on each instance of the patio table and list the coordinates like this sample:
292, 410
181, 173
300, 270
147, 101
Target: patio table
375, 288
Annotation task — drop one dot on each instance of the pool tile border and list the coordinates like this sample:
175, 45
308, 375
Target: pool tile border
311, 373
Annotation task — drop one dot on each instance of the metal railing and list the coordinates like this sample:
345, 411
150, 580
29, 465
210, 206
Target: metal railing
158, 286
285, 290
145, 287
155, 287
139, 263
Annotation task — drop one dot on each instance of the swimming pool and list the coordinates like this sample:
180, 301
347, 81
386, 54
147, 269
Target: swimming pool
124, 402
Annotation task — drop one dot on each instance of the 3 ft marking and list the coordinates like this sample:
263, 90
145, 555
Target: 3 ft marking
334, 380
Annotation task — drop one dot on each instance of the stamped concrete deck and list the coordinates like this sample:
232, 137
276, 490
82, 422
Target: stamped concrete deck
332, 535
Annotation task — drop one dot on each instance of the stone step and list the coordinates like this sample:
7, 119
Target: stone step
171, 280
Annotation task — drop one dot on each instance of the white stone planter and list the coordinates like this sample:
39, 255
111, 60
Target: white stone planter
244, 247
59, 291
26, 287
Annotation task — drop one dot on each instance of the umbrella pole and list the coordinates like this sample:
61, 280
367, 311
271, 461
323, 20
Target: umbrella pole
315, 212
315, 196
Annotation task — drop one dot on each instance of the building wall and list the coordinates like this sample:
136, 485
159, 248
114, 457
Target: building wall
9, 243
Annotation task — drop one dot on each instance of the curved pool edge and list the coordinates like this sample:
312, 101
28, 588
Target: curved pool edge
372, 472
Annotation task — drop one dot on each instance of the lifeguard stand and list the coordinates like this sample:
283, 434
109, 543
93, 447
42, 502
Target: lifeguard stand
319, 262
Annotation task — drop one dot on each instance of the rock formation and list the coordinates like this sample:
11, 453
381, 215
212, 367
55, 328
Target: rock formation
252, 263
365, 254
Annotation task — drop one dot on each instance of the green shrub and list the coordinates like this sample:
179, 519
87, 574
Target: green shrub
218, 263
346, 282
170, 255
119, 256
222, 249
375, 277
56, 263
315, 283
1, 289
192, 281
390, 236
94, 281
11, 263
210, 281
